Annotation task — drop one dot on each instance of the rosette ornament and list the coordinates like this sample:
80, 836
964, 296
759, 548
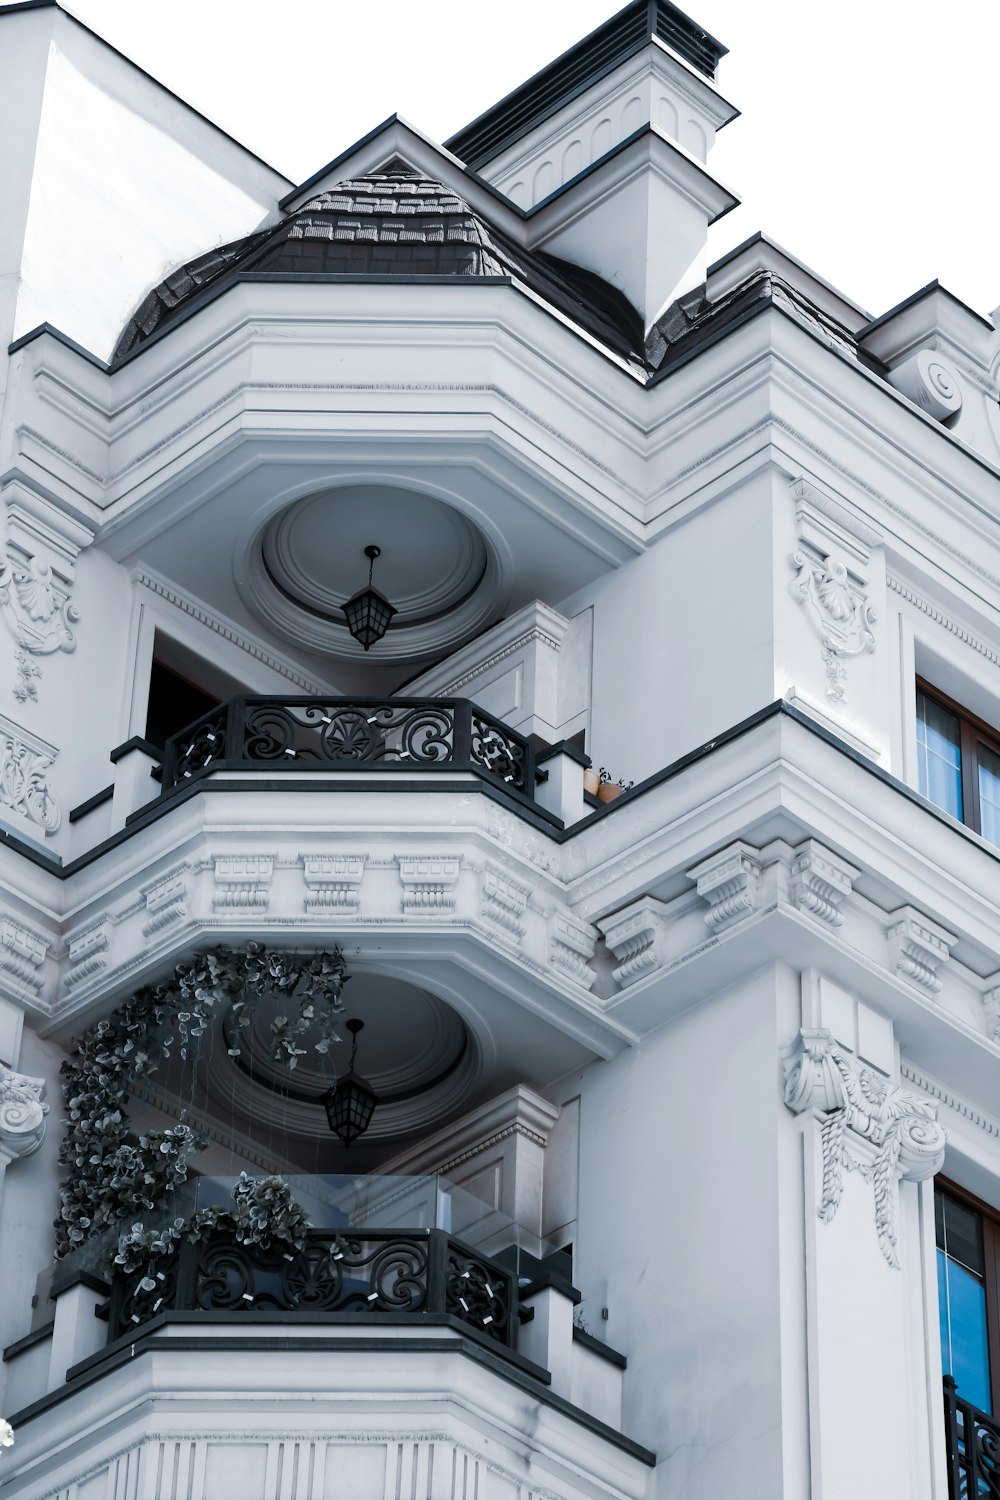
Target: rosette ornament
22, 1113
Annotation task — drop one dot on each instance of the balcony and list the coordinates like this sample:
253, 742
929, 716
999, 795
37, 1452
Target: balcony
349, 734
389, 1360
973, 1445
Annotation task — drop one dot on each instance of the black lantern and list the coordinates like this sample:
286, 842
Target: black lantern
368, 612
350, 1103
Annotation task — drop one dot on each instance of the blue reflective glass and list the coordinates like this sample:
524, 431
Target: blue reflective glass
964, 1348
939, 755
989, 794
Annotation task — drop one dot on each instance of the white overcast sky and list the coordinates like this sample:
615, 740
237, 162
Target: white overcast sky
867, 145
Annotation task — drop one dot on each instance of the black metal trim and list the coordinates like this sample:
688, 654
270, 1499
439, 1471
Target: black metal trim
972, 1445
536, 816
604, 1351
137, 742
37, 1334
97, 800
510, 1367
563, 747
66, 1276
912, 299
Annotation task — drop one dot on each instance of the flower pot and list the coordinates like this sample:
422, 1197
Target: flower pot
592, 782
608, 791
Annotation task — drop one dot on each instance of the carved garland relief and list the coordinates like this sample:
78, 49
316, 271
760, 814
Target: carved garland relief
838, 609
870, 1125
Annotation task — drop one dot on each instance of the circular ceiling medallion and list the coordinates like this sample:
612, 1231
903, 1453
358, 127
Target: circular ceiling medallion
415, 1052
434, 567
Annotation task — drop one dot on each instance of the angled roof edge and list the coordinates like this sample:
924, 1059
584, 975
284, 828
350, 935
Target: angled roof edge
833, 295
398, 136
28, 5
583, 64
931, 289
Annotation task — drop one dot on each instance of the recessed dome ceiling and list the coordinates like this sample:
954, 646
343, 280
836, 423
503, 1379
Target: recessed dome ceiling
435, 568
431, 559
415, 1052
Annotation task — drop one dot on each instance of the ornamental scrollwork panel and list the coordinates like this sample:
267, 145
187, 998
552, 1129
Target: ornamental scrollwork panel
22, 1113
25, 788
38, 612
839, 610
870, 1125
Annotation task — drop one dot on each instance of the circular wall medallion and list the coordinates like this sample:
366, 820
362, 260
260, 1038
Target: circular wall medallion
434, 567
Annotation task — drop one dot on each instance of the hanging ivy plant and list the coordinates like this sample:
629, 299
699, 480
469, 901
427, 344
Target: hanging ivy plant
111, 1179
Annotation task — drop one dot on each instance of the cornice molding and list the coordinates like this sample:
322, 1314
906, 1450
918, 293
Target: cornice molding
904, 590
928, 1085
182, 601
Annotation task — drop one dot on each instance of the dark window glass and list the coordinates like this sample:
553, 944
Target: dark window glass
962, 1300
174, 703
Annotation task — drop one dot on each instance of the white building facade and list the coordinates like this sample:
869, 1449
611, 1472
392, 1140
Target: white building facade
683, 1178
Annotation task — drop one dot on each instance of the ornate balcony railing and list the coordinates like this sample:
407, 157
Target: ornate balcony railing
370, 1273
973, 1441
349, 734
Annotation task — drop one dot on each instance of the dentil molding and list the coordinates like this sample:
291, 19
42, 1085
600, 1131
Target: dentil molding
869, 1125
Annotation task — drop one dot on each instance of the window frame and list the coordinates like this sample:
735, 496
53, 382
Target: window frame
972, 731
990, 1218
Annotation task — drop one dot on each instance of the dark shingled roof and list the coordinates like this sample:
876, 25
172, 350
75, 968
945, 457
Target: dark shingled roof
392, 223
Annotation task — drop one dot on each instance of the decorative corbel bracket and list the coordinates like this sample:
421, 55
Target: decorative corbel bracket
730, 883
820, 882
869, 1124
22, 1114
920, 947
636, 936
991, 1008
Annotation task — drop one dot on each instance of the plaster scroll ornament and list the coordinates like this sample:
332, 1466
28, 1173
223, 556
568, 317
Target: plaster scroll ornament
870, 1125
841, 613
37, 611
24, 779
22, 1113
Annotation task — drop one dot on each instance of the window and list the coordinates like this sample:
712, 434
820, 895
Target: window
174, 703
968, 1256
958, 760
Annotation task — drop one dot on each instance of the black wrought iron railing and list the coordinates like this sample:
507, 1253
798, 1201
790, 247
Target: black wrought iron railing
973, 1442
349, 733
373, 1273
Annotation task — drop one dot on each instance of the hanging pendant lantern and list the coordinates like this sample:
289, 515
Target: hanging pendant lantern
368, 612
350, 1103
